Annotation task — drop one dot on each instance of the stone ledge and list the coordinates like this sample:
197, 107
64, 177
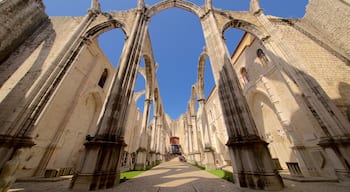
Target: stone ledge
309, 179
43, 179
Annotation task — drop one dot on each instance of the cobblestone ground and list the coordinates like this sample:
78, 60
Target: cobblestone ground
175, 176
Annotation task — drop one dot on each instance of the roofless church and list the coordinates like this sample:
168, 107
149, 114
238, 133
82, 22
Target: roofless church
280, 106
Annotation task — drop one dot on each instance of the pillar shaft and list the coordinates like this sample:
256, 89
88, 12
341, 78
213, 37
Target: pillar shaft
100, 166
205, 125
333, 127
154, 134
252, 162
142, 150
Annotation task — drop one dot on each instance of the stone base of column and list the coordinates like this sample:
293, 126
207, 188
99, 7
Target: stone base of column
197, 158
8, 145
141, 160
338, 150
99, 166
190, 157
252, 164
158, 158
152, 158
209, 160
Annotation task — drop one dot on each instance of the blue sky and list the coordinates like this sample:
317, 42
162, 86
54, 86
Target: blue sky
177, 41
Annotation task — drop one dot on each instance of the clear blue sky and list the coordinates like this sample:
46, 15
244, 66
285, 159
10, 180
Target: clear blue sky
177, 41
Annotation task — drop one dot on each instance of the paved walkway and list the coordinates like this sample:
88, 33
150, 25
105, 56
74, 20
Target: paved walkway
175, 176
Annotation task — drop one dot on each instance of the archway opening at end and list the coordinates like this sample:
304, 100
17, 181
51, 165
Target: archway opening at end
177, 56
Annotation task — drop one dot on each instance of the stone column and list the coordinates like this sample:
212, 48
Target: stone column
333, 128
99, 168
153, 141
158, 141
190, 141
209, 159
251, 159
196, 153
142, 150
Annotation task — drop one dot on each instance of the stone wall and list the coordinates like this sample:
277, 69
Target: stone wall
331, 19
71, 114
321, 65
27, 69
19, 19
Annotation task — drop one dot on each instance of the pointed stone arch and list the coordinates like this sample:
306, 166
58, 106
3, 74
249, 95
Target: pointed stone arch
105, 26
200, 78
270, 128
185, 5
245, 26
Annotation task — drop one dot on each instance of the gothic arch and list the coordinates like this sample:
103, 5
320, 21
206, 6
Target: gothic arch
245, 26
102, 27
270, 127
200, 78
96, 96
251, 93
185, 5
192, 102
149, 75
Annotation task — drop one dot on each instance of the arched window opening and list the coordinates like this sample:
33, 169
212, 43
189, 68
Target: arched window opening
244, 75
263, 59
103, 78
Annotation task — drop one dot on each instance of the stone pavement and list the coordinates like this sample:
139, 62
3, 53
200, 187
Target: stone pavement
175, 176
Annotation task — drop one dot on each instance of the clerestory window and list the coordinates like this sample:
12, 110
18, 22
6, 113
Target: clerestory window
103, 78
261, 55
244, 75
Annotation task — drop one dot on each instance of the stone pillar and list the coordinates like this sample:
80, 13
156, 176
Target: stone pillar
142, 150
158, 140
333, 128
185, 137
153, 141
190, 140
99, 168
209, 159
251, 159
19, 132
196, 153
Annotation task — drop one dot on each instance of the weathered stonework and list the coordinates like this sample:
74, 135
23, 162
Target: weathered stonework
62, 100
20, 19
